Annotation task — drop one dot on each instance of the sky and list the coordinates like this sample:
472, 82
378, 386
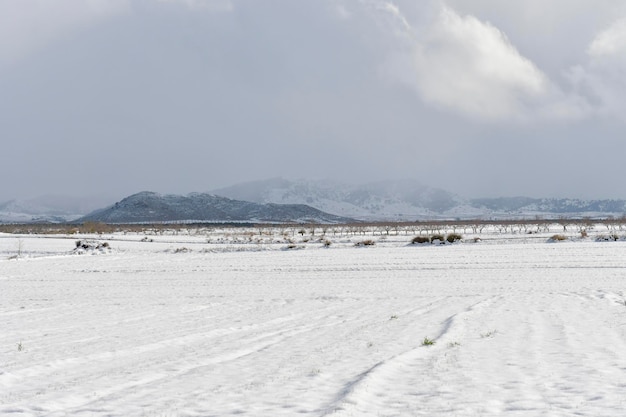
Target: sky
483, 98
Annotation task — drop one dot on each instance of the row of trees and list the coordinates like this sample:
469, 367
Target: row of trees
525, 226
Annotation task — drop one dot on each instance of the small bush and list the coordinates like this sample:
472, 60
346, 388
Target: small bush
453, 237
293, 246
428, 342
437, 237
608, 238
83, 246
420, 240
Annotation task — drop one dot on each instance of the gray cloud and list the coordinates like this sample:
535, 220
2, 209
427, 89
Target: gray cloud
188, 95
28, 26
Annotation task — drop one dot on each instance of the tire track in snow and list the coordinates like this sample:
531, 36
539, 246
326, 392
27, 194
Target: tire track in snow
75, 373
551, 354
386, 385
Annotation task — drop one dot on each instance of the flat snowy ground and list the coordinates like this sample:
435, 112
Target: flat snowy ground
182, 327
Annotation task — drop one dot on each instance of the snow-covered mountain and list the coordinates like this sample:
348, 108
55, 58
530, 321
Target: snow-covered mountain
384, 200
148, 207
410, 200
404, 200
525, 206
51, 208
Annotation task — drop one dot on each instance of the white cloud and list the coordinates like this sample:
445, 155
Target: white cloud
601, 80
394, 11
26, 25
460, 64
610, 41
471, 67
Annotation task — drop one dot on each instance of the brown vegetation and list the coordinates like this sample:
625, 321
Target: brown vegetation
428, 228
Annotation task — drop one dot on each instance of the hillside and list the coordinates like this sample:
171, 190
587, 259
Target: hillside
49, 208
410, 200
398, 200
282, 200
148, 207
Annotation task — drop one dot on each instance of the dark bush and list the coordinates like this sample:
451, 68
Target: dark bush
610, 238
453, 237
90, 245
435, 238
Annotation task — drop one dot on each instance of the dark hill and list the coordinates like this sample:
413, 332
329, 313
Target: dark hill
148, 207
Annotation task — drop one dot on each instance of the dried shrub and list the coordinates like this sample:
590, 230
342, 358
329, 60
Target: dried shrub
608, 238
91, 246
420, 240
437, 238
96, 227
453, 237
293, 246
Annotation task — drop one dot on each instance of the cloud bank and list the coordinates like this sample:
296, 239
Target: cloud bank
476, 96
27, 25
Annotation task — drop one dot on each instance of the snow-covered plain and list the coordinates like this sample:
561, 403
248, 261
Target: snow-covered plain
231, 322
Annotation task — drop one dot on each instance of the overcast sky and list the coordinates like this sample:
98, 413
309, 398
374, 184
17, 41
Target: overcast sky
480, 97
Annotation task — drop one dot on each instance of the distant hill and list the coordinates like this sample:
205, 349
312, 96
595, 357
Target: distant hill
304, 201
554, 206
384, 200
149, 207
410, 200
50, 208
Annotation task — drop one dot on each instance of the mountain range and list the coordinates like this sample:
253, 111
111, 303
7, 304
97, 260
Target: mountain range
282, 200
409, 200
48, 208
404, 199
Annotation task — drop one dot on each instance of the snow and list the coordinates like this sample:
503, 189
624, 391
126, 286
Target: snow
236, 325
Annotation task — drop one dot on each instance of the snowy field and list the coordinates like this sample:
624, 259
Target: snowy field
225, 322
